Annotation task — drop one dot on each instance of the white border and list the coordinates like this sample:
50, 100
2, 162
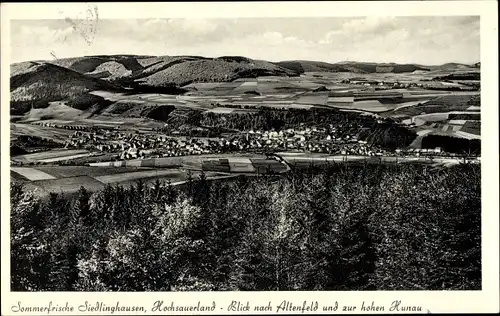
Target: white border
486, 300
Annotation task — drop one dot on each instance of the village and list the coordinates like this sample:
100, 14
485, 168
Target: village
335, 140
424, 84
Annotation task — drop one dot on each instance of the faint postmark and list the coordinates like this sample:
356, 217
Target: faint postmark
86, 23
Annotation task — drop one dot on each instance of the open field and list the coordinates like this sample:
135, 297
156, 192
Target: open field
313, 98
64, 128
32, 174
223, 162
54, 110
472, 127
73, 171
302, 160
172, 175
52, 155
67, 185
467, 135
54, 134
452, 99
69, 179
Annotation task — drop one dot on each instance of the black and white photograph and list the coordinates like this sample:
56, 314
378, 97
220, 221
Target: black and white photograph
223, 154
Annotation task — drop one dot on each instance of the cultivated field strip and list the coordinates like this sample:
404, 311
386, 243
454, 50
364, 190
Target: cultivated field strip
32, 174
468, 135
474, 108
124, 177
55, 159
71, 184
55, 134
51, 154
74, 171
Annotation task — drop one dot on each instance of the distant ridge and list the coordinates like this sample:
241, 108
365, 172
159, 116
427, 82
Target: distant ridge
69, 80
348, 66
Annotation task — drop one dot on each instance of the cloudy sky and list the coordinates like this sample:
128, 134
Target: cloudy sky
424, 40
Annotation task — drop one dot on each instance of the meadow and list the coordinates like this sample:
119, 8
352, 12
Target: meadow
69, 178
51, 155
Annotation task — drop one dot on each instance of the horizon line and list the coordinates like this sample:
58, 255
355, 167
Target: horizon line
268, 60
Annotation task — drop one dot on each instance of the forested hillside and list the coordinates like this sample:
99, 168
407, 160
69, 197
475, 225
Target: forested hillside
35, 85
349, 228
302, 66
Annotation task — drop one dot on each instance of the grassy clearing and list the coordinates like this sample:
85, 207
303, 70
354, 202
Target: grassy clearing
424, 132
80, 64
451, 100
410, 104
113, 69
55, 110
16, 177
473, 116
150, 61
60, 153
160, 64
130, 176
341, 99
313, 98
120, 107
69, 185
222, 110
73, 171
467, 135
65, 158
278, 87
472, 127
50, 133
433, 117
32, 174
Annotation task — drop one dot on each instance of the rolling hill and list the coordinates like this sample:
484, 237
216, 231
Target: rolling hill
460, 76
451, 67
129, 68
302, 66
182, 73
36, 84
348, 66
89, 64
69, 80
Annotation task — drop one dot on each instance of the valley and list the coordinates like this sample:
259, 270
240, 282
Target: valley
109, 110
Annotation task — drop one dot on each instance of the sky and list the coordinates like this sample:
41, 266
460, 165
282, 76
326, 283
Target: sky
423, 40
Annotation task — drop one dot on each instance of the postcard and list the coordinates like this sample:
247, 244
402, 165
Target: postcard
249, 158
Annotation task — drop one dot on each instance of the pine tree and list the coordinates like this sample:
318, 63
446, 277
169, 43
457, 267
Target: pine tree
82, 206
201, 190
170, 194
190, 185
